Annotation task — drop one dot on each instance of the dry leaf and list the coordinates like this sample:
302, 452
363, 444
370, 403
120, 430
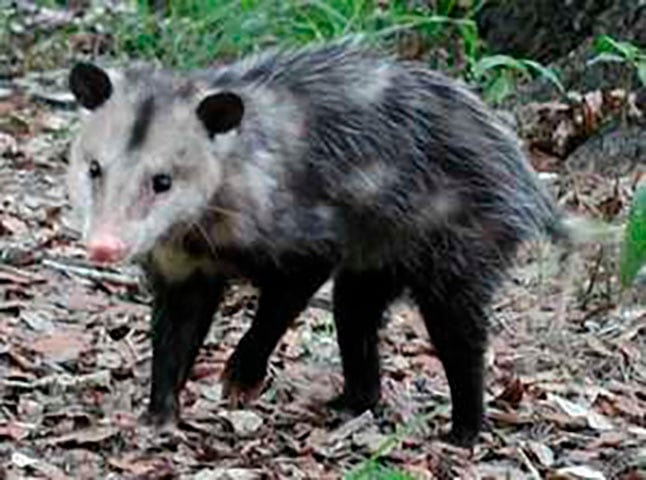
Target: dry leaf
62, 345
244, 422
88, 436
582, 472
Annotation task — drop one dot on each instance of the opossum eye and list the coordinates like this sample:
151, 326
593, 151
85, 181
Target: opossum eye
162, 182
95, 169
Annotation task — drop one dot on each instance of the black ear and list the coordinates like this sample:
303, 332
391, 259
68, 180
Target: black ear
90, 85
220, 112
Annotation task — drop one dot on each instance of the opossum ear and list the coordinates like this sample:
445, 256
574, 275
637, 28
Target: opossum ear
90, 85
220, 112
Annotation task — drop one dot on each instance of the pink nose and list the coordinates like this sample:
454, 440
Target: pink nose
106, 248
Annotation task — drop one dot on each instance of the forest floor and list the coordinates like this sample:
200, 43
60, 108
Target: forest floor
566, 381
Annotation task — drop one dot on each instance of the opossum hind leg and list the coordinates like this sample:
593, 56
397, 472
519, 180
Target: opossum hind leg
454, 306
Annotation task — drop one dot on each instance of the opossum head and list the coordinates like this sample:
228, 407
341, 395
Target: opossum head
149, 156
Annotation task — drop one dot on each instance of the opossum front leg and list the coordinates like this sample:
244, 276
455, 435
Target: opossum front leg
182, 315
360, 299
283, 296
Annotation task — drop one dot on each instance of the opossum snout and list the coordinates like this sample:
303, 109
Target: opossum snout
106, 248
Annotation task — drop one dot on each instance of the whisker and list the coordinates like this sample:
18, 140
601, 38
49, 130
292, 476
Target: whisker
206, 237
178, 234
222, 210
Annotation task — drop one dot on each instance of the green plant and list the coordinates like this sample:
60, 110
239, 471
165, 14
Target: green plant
5, 25
614, 51
372, 470
633, 249
194, 33
498, 75
609, 50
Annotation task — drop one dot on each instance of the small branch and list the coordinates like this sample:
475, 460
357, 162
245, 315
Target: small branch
593, 278
93, 273
534, 473
19, 275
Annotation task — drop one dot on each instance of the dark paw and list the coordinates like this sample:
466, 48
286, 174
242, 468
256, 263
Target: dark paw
163, 410
463, 438
160, 419
240, 383
354, 403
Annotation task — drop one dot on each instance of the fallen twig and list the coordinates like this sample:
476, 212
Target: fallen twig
18, 275
93, 273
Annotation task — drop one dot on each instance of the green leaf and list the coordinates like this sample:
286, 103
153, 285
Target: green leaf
641, 71
607, 57
499, 88
633, 250
372, 470
491, 62
607, 44
469, 34
547, 73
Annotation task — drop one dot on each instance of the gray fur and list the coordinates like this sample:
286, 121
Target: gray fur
335, 142
292, 166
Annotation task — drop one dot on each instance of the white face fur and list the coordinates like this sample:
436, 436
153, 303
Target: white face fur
146, 165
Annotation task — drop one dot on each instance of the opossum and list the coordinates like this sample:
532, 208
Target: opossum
292, 167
